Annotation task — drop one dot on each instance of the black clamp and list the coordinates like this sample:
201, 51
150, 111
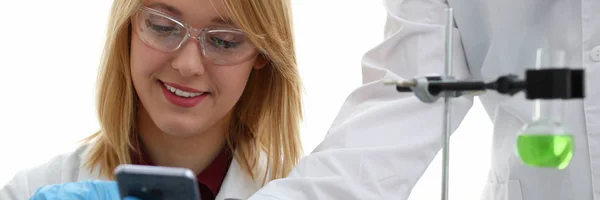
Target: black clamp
552, 83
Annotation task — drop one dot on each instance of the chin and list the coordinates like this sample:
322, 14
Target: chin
179, 129
179, 125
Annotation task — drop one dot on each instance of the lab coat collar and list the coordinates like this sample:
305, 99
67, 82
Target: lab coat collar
238, 184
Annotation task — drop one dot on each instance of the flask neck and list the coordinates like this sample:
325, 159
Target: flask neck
548, 110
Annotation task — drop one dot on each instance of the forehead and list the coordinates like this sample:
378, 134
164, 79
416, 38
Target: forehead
198, 13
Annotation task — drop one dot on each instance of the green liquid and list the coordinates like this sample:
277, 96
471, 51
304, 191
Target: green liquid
549, 151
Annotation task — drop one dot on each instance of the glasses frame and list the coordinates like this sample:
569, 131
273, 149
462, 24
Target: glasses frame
200, 33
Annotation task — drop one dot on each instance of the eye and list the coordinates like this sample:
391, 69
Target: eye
222, 43
162, 26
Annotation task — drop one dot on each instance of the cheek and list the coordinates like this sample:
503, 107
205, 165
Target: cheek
231, 81
145, 62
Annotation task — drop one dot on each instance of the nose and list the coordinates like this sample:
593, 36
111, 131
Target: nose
189, 61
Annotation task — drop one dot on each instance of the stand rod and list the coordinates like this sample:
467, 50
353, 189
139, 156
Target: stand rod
447, 105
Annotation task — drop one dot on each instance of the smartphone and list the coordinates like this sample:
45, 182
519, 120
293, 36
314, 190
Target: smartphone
156, 183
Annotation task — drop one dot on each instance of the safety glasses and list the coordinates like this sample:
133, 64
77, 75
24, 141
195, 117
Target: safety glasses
167, 34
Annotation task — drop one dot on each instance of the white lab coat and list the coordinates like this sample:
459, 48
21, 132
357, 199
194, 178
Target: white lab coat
382, 141
69, 168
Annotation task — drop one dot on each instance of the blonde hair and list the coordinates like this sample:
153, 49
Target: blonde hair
266, 118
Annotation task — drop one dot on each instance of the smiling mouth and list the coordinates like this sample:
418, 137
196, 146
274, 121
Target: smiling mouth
182, 96
182, 93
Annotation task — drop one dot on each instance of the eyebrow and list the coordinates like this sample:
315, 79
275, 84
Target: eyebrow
171, 9
174, 11
222, 20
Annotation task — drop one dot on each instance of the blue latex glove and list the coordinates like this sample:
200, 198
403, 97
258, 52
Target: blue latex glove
83, 190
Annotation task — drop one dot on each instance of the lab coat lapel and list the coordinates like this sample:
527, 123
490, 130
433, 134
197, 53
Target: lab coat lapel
237, 184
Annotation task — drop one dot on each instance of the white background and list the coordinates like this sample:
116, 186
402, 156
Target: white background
50, 51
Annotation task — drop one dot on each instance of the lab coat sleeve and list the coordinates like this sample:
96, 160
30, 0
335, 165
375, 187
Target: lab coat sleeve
15, 189
382, 141
59, 169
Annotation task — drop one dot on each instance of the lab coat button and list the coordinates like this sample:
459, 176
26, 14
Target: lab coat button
595, 54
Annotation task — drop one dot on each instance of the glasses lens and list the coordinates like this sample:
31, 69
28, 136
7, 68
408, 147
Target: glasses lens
159, 31
227, 46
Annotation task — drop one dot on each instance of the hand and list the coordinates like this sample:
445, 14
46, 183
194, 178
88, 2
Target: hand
84, 190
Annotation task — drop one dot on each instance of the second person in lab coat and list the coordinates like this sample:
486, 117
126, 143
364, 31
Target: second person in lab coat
383, 141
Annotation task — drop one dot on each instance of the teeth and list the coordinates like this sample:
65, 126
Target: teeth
182, 93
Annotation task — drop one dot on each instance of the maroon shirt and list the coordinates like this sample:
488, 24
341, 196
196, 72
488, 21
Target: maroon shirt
209, 180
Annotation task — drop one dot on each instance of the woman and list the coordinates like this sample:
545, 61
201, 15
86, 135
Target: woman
209, 85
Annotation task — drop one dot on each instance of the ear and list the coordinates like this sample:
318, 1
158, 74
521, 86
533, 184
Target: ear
261, 61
